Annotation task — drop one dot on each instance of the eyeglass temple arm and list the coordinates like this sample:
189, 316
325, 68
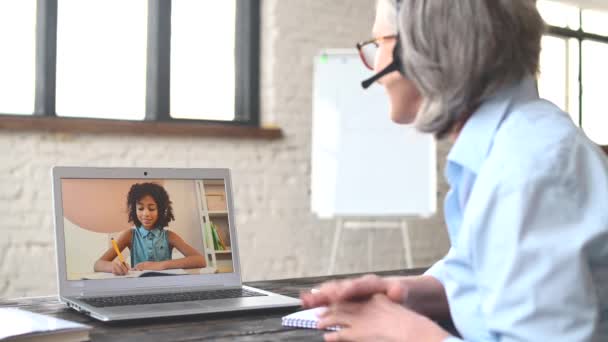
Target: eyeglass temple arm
387, 70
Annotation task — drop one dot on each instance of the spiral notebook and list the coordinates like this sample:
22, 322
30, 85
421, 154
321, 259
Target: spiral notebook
305, 319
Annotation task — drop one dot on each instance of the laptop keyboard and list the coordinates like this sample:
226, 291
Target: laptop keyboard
169, 297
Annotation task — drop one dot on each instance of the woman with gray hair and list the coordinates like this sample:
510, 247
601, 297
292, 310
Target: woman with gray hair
526, 212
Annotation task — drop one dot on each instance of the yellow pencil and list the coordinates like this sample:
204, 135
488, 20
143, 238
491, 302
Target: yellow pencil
120, 257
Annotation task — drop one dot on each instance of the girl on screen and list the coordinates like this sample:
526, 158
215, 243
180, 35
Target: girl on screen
150, 243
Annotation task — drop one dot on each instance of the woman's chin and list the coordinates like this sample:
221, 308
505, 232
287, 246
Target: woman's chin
402, 118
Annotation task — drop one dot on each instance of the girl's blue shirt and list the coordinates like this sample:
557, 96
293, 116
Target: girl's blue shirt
149, 245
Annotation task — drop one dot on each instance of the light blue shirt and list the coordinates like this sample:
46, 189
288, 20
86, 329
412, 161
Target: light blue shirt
149, 245
527, 216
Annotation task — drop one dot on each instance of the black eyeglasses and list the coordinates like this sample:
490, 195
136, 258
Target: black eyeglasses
368, 50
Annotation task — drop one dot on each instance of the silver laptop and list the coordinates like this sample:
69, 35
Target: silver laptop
148, 242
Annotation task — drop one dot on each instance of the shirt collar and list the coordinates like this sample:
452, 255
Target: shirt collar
477, 135
144, 232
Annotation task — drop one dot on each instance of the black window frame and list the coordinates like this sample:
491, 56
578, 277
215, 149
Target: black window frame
157, 105
580, 35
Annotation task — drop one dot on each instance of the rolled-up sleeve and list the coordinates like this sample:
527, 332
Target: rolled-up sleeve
436, 271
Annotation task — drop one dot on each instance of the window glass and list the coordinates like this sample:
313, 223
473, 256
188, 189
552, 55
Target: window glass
203, 59
558, 79
101, 58
17, 61
559, 14
595, 118
595, 22
573, 100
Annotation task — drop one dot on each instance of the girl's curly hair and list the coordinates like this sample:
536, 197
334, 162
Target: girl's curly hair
161, 197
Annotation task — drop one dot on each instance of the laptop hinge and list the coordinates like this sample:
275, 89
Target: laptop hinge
152, 290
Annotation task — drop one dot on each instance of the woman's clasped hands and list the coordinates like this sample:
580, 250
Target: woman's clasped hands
370, 308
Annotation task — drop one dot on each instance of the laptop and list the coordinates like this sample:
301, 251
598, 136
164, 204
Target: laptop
136, 243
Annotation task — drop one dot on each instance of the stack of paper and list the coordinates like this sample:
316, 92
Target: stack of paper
21, 325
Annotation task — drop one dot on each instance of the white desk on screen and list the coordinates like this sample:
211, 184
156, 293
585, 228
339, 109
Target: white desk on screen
367, 172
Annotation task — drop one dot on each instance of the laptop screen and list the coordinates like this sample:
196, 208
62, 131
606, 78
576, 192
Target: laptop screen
126, 228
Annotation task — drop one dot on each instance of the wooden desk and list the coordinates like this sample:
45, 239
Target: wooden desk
244, 326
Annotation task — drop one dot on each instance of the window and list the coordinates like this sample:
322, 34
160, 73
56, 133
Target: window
159, 60
101, 67
17, 37
572, 64
202, 72
558, 79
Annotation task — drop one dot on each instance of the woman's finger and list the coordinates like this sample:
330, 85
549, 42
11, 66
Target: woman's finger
344, 290
341, 314
329, 289
339, 336
334, 320
323, 296
313, 299
361, 288
346, 307
397, 292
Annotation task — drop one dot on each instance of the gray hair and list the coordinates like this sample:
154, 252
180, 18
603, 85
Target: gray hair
459, 53
387, 10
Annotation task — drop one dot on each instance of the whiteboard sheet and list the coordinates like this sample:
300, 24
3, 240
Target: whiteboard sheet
363, 164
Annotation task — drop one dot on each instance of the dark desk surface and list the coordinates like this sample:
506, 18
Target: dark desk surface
244, 326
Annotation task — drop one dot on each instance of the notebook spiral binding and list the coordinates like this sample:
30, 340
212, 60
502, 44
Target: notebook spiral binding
304, 323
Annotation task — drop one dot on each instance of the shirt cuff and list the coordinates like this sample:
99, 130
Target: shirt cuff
452, 339
436, 271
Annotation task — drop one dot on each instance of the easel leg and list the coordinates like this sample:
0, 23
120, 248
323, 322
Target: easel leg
334, 248
370, 248
407, 247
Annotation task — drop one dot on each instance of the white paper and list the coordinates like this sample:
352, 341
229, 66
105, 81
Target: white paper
21, 322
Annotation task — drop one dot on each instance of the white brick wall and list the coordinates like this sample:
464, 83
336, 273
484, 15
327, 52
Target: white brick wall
278, 235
